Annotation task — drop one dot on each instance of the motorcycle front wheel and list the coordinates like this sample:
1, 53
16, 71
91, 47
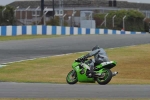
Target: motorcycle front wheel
72, 77
105, 78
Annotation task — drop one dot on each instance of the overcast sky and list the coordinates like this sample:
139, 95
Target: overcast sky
4, 2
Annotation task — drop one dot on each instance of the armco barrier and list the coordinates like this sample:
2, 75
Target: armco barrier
56, 30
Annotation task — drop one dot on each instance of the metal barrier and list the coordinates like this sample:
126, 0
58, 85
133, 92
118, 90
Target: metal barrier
56, 30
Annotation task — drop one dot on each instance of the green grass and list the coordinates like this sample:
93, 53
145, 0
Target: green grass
132, 64
23, 37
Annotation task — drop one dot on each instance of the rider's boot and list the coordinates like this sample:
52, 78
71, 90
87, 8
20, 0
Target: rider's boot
91, 72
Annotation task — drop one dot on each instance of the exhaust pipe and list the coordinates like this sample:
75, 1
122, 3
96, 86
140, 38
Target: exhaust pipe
114, 73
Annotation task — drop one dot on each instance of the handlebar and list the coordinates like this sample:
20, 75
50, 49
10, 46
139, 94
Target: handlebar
81, 60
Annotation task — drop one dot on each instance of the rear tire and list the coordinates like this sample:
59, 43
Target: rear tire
72, 77
106, 79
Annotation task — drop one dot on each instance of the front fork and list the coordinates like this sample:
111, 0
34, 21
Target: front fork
73, 73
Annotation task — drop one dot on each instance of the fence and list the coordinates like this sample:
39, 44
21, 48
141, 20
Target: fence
56, 30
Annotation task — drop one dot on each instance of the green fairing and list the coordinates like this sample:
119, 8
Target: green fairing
81, 77
75, 64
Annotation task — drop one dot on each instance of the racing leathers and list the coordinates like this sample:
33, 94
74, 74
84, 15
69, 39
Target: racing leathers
99, 57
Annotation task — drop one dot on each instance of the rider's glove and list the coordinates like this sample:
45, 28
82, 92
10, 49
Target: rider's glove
84, 58
80, 59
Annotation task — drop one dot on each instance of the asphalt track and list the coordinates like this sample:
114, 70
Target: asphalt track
28, 49
38, 90
16, 50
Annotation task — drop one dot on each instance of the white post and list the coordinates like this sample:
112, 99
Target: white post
113, 20
90, 18
26, 15
105, 19
124, 22
61, 12
73, 13
144, 18
45, 15
64, 15
63, 18
36, 13
3, 11
15, 15
69, 20
73, 17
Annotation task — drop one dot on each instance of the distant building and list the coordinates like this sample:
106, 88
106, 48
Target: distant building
29, 12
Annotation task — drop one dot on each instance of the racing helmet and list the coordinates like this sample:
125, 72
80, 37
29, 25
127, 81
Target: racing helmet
96, 47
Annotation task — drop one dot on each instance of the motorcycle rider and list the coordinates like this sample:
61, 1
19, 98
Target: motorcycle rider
99, 57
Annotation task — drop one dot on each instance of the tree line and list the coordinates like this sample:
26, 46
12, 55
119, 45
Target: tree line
7, 16
133, 20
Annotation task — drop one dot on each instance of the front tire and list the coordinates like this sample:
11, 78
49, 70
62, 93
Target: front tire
72, 77
106, 78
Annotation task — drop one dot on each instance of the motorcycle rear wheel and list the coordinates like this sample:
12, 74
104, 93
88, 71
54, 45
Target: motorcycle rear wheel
72, 77
106, 78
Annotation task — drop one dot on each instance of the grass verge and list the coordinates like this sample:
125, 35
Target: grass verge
23, 37
133, 66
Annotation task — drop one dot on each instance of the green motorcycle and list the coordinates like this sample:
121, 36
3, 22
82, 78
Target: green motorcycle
81, 69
